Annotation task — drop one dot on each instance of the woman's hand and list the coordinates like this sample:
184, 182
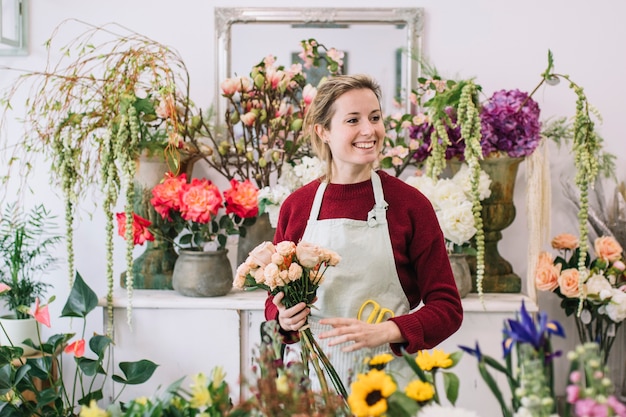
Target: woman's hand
359, 334
291, 319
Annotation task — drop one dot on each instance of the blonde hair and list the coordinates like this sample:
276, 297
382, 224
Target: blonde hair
322, 111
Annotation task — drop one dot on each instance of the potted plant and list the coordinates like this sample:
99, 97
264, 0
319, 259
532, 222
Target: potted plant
26, 241
112, 96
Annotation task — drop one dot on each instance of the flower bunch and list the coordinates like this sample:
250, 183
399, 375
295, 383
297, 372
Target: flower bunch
264, 118
192, 211
375, 391
590, 389
293, 176
601, 287
451, 199
297, 271
19, 374
528, 366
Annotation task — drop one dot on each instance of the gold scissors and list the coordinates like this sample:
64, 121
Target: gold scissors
377, 314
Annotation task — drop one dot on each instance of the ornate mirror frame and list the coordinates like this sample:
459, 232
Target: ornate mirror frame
409, 18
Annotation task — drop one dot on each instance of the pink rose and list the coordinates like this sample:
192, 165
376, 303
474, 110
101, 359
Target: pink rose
242, 199
547, 275
286, 248
309, 255
166, 195
568, 283
573, 393
607, 248
262, 254
200, 201
565, 241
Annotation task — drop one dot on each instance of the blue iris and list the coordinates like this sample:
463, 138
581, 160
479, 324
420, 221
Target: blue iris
525, 330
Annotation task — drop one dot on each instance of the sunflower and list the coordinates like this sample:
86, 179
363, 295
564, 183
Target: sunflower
369, 393
379, 361
438, 359
419, 391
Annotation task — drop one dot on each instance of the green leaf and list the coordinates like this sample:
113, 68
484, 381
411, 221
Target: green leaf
493, 386
136, 372
89, 366
399, 405
5, 379
98, 344
81, 301
451, 385
48, 395
413, 365
93, 395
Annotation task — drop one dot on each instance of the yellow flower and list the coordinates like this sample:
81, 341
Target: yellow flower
438, 359
218, 376
419, 391
200, 395
379, 361
92, 410
369, 393
141, 400
282, 384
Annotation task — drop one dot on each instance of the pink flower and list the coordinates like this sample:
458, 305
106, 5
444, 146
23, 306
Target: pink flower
141, 233
200, 201
607, 248
166, 195
248, 118
573, 393
241, 199
230, 86
41, 313
261, 255
565, 241
568, 283
4, 287
76, 348
617, 406
166, 108
575, 377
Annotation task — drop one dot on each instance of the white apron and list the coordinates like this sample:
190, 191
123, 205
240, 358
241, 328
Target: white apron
366, 271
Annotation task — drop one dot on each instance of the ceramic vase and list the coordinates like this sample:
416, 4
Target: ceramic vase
461, 272
202, 273
153, 268
261, 231
17, 331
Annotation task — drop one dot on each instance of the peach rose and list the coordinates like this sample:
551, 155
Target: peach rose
565, 241
295, 272
309, 255
607, 248
262, 254
568, 283
547, 276
286, 248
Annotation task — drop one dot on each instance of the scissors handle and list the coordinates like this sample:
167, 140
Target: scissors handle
377, 314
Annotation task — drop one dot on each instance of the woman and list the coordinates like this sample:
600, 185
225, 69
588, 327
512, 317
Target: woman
386, 232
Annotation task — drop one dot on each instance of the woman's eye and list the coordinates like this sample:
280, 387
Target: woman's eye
375, 118
353, 120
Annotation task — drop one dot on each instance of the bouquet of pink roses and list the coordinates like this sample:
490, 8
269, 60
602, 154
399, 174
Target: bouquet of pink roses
297, 271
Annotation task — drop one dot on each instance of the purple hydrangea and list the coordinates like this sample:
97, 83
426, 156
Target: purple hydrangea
422, 134
507, 128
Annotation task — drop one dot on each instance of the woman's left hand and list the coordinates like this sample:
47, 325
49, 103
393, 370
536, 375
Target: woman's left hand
359, 334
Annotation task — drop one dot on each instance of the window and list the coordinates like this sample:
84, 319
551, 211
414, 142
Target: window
13, 28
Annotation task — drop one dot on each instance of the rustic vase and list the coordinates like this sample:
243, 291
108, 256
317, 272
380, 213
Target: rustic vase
261, 231
153, 268
17, 331
461, 271
203, 273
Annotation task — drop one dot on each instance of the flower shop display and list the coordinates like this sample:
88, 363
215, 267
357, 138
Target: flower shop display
26, 241
451, 199
191, 211
528, 365
21, 394
109, 96
297, 271
601, 287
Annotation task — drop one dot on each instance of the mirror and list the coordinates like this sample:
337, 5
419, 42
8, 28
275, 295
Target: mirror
13, 29
381, 42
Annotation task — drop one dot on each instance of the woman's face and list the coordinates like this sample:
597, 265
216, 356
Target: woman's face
356, 130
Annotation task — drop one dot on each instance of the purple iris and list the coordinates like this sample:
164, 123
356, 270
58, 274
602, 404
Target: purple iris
525, 330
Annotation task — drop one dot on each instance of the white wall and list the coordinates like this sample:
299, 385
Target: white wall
503, 44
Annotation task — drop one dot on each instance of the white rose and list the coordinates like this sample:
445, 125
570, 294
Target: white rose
462, 177
448, 193
424, 184
616, 308
457, 222
596, 284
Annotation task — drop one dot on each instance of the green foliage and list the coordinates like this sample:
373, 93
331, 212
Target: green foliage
26, 239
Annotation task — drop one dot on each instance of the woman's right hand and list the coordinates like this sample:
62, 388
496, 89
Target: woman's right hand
291, 319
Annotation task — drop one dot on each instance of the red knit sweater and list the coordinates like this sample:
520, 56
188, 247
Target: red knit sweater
418, 246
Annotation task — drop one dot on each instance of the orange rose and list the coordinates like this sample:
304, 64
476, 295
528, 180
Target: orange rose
241, 199
200, 201
607, 248
547, 275
565, 241
166, 195
568, 283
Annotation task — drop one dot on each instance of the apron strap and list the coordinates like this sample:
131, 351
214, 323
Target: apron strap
317, 202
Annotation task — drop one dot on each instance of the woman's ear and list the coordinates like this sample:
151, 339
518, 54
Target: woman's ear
321, 132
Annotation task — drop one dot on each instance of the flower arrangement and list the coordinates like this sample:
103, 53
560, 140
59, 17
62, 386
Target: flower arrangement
451, 199
375, 391
293, 176
590, 389
25, 241
263, 131
297, 271
528, 366
191, 209
18, 374
601, 286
